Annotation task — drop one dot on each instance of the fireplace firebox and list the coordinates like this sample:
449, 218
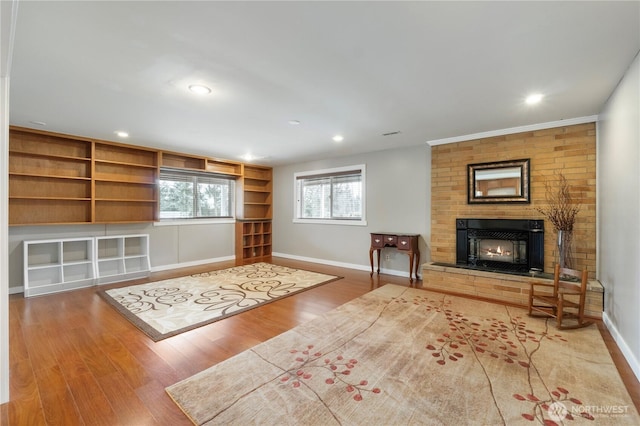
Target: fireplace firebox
500, 245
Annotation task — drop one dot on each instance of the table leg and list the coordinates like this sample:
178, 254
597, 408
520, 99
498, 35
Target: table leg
411, 266
379, 250
417, 253
371, 260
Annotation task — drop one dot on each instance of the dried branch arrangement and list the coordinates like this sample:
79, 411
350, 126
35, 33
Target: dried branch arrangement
561, 210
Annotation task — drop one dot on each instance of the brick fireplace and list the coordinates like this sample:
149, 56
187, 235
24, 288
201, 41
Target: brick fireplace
570, 149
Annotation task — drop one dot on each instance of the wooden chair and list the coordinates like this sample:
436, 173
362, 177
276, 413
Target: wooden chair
562, 300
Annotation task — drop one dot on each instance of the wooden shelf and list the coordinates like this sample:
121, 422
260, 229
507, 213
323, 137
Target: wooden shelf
126, 155
182, 161
62, 179
124, 173
224, 167
16, 153
253, 241
125, 180
57, 179
253, 230
219, 166
125, 211
50, 211
32, 186
49, 176
254, 196
41, 165
40, 143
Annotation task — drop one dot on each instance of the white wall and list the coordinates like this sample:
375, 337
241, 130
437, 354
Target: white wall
4, 220
398, 185
619, 213
170, 246
8, 16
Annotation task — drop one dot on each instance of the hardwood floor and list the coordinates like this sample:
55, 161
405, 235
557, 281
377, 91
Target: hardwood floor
76, 361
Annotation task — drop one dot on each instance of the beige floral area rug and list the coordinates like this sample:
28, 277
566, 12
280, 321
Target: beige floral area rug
165, 308
404, 356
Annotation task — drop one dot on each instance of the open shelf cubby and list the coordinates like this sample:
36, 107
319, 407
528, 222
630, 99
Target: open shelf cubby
51, 266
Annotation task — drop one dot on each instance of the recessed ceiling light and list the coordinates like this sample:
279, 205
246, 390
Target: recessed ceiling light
38, 123
338, 138
534, 98
199, 89
294, 122
122, 134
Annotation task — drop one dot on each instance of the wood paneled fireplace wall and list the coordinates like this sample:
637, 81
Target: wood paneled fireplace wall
569, 149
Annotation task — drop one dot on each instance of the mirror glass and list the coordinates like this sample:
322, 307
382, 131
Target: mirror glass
500, 182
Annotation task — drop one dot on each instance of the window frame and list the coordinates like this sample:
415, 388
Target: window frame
195, 174
336, 171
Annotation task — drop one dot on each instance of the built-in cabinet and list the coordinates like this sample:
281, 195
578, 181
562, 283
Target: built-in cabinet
253, 241
125, 184
253, 227
62, 179
50, 179
204, 164
56, 265
255, 193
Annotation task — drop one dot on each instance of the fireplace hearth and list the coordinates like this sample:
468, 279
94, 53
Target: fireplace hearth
500, 245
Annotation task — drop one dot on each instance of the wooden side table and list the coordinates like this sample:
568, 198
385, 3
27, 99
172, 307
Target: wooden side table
405, 243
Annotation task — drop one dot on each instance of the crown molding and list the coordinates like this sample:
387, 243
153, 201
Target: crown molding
512, 130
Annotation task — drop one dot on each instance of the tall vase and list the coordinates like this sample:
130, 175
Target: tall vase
565, 239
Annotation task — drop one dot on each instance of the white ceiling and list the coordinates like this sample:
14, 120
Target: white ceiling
430, 70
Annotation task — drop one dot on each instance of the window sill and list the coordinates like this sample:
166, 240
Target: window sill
331, 222
180, 222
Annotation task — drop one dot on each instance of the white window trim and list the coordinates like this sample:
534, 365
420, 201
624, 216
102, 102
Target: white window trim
348, 222
200, 220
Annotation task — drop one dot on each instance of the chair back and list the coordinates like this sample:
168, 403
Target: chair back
560, 280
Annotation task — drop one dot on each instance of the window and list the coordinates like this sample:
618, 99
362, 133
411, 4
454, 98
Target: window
328, 196
191, 195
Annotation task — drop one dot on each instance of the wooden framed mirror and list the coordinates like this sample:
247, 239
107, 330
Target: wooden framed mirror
499, 182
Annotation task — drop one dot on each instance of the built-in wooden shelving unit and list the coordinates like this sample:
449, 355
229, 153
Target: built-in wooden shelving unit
253, 241
62, 179
253, 228
125, 181
255, 193
49, 179
192, 162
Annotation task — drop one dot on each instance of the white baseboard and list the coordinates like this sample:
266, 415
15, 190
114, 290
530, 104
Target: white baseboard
341, 264
16, 290
189, 264
624, 348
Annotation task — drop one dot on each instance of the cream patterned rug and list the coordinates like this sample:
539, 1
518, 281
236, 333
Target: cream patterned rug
165, 308
404, 356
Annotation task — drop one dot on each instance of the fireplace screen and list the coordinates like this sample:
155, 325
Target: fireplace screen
505, 245
499, 250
